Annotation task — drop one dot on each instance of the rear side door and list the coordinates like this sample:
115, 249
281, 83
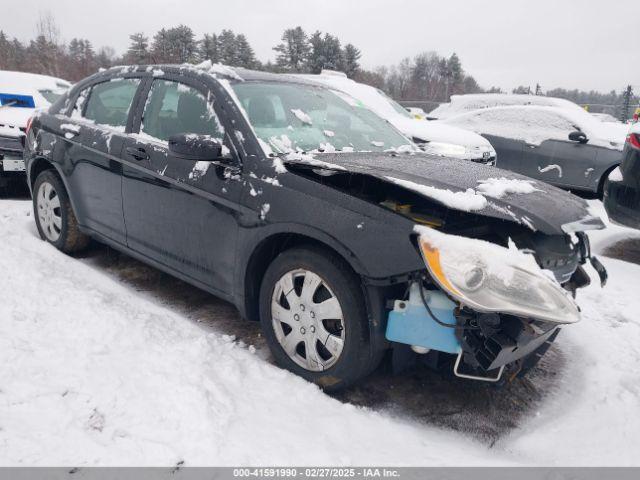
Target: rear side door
92, 137
181, 213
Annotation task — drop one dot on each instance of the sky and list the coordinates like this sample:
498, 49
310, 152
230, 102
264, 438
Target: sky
588, 44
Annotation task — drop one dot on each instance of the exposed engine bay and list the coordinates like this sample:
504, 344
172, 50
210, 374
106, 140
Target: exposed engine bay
432, 323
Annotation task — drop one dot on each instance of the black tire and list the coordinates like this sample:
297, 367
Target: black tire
355, 360
70, 238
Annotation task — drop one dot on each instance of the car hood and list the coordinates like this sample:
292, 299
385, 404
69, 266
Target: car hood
466, 186
15, 117
430, 131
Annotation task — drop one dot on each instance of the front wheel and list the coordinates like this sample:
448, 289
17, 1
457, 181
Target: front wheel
314, 318
56, 222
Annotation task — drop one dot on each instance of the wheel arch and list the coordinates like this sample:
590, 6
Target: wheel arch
603, 179
274, 244
41, 164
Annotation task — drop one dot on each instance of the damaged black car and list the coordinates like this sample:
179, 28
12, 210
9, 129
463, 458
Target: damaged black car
313, 216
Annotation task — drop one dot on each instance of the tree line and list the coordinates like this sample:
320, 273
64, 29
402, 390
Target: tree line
427, 77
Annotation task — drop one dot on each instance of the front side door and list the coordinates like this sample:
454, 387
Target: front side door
178, 212
92, 136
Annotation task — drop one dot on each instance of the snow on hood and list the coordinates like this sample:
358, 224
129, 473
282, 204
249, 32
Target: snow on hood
460, 185
20, 83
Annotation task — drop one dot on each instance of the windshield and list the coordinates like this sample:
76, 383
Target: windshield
304, 118
51, 96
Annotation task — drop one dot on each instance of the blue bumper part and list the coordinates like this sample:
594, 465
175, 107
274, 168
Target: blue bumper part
411, 323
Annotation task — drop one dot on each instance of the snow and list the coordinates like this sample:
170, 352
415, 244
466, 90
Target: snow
70, 126
615, 175
199, 170
216, 69
499, 187
95, 372
308, 159
278, 165
157, 72
550, 168
466, 103
467, 201
303, 117
264, 210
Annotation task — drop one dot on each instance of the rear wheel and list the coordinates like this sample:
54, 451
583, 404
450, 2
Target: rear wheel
314, 319
56, 222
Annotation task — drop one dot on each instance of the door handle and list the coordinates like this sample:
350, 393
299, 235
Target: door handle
137, 153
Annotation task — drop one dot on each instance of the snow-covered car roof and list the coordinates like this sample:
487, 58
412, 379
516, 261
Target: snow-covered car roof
38, 90
535, 124
460, 104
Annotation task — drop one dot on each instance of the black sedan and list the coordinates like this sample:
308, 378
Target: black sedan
313, 216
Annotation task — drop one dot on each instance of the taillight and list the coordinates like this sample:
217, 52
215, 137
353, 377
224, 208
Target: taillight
634, 140
29, 122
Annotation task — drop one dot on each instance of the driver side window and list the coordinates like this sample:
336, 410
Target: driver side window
174, 108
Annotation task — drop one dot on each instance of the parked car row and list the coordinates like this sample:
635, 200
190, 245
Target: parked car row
314, 215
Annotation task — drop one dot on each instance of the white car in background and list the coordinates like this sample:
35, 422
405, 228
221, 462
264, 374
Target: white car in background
432, 137
21, 95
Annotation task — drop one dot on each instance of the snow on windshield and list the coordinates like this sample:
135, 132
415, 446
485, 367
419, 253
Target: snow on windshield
291, 117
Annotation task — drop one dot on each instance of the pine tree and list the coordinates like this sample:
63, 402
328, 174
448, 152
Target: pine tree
350, 58
209, 48
294, 50
160, 47
332, 52
316, 59
244, 53
138, 51
182, 46
227, 47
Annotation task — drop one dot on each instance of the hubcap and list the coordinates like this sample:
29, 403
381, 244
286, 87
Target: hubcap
307, 320
49, 211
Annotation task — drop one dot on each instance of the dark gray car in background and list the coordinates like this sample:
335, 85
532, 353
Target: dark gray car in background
551, 144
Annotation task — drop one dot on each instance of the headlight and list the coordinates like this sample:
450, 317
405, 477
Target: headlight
445, 149
490, 278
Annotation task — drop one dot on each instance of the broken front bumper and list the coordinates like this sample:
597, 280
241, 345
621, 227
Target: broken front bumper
484, 343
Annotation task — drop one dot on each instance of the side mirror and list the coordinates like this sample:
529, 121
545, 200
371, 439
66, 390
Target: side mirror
578, 136
191, 146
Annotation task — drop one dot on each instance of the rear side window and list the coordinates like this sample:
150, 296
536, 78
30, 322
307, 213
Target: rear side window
109, 102
174, 108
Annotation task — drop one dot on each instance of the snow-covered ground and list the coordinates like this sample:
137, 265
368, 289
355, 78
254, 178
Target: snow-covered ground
96, 372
